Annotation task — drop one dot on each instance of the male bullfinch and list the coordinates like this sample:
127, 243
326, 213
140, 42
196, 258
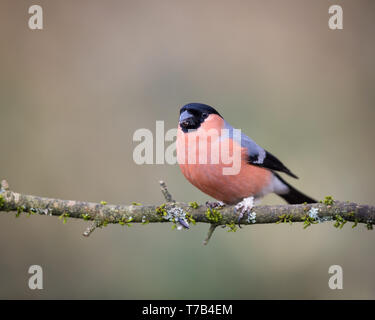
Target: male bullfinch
256, 175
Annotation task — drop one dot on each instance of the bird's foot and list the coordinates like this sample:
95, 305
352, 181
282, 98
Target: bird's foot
215, 204
245, 206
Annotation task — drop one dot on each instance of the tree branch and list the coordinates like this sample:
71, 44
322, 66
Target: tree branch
183, 213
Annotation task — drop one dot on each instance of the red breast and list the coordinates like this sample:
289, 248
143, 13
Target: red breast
208, 177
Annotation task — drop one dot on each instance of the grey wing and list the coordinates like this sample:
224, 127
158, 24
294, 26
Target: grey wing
258, 156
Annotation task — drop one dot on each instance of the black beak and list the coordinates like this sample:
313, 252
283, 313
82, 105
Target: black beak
186, 120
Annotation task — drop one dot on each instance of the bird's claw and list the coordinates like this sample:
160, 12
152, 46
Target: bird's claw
245, 206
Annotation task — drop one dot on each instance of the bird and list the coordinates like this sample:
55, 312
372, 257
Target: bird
259, 172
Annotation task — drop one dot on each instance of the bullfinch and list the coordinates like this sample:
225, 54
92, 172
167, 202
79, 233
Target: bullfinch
203, 131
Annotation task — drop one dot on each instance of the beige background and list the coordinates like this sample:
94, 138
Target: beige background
72, 95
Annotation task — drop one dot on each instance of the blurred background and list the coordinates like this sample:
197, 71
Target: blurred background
72, 95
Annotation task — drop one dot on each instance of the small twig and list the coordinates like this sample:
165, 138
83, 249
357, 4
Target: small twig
90, 229
209, 233
164, 190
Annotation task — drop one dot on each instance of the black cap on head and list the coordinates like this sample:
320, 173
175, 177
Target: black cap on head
193, 114
199, 108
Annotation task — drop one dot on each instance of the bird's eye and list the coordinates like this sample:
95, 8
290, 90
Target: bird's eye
204, 115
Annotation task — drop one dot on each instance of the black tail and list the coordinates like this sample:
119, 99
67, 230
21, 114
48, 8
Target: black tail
294, 196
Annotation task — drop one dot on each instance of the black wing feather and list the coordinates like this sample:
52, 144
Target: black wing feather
270, 162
